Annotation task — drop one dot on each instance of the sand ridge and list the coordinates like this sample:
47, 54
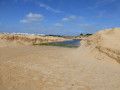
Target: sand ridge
106, 42
7, 40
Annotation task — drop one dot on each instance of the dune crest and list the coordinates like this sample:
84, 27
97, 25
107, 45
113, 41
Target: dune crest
106, 42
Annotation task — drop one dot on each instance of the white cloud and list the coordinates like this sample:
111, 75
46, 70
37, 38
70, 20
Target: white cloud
73, 17
38, 2
30, 15
65, 19
24, 21
58, 25
32, 18
49, 8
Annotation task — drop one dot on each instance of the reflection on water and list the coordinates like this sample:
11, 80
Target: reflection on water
74, 42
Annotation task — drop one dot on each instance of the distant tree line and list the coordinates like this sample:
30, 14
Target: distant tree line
88, 34
81, 34
54, 35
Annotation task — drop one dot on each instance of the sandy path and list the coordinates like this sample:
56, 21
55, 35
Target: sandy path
54, 68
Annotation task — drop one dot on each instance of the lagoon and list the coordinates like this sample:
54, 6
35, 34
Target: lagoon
74, 42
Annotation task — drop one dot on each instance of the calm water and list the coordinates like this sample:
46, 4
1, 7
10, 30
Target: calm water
74, 42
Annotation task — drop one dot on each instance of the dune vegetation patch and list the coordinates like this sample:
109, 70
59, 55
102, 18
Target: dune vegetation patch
59, 45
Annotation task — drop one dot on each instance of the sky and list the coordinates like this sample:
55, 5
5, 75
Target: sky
58, 17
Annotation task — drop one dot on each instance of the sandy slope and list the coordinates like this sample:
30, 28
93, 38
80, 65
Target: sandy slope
55, 68
103, 43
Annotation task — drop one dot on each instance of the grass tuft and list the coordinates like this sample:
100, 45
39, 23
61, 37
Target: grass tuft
60, 45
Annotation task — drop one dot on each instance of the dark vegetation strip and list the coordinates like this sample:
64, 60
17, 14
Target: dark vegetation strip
60, 45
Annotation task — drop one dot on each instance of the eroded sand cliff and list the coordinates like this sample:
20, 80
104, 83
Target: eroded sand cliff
7, 40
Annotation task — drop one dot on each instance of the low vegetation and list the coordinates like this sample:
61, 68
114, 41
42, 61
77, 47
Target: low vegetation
52, 44
88, 34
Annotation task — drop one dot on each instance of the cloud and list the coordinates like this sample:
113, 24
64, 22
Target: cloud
30, 15
24, 21
32, 18
58, 25
38, 2
49, 8
73, 17
65, 19
101, 14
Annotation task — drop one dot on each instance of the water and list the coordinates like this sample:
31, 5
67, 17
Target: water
74, 42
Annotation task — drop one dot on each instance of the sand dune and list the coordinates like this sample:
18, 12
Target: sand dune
90, 67
7, 40
106, 42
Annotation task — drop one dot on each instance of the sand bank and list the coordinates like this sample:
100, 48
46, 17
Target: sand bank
102, 44
8, 40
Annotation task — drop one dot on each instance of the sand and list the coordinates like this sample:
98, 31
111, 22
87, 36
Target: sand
9, 40
102, 44
57, 68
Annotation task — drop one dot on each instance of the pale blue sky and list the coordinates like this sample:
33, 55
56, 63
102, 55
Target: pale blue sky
63, 17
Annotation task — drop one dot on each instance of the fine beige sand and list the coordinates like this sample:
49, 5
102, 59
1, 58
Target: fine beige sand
9, 40
102, 44
93, 66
